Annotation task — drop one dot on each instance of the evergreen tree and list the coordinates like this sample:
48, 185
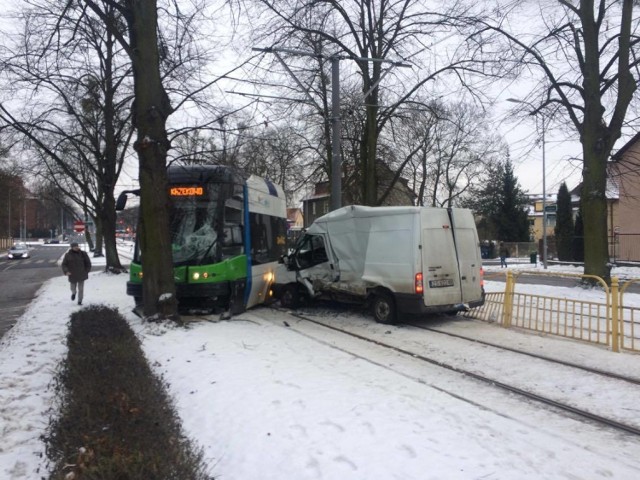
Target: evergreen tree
502, 205
564, 224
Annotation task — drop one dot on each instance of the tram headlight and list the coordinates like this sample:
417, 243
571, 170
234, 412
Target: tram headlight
198, 275
268, 277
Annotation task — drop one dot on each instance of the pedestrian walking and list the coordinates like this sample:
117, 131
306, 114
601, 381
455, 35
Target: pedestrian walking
504, 253
76, 265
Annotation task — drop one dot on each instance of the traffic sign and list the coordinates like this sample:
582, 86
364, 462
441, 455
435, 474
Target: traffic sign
78, 226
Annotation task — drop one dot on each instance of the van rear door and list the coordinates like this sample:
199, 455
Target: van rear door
441, 279
468, 249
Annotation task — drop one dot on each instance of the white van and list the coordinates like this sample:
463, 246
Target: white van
396, 259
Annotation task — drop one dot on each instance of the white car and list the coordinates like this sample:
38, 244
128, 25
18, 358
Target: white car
19, 250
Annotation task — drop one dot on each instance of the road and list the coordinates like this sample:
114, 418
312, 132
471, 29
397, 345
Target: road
542, 279
21, 279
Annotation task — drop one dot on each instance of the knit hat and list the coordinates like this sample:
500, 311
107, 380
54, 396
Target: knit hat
74, 244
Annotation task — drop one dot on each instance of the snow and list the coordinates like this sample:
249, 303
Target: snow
268, 395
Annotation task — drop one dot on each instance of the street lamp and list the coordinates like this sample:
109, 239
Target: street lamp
544, 185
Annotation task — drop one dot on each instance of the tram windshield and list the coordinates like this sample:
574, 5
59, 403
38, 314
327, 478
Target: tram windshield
207, 227
193, 227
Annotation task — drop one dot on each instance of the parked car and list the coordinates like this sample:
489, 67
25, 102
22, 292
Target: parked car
19, 250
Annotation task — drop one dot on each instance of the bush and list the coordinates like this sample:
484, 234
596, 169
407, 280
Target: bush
116, 421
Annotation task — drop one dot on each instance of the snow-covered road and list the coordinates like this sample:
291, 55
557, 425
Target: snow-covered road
267, 401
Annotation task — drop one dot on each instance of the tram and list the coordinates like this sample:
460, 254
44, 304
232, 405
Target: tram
228, 231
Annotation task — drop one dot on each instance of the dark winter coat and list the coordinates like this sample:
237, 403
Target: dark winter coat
78, 264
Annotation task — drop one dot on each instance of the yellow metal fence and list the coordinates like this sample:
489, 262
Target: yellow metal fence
608, 322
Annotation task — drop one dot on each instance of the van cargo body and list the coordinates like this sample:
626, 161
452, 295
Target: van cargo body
397, 259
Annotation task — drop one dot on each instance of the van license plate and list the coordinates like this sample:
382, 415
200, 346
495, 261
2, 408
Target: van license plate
448, 282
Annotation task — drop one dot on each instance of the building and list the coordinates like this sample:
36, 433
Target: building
623, 222
623, 203
295, 220
318, 203
536, 215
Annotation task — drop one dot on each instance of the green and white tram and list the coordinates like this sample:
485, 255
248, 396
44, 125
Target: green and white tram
227, 232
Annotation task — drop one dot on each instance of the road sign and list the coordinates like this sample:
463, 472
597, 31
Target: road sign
78, 226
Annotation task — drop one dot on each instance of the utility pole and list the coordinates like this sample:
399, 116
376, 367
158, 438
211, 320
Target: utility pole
336, 129
544, 182
9, 216
24, 208
336, 122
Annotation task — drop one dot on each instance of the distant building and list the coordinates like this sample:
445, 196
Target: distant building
318, 203
294, 218
623, 187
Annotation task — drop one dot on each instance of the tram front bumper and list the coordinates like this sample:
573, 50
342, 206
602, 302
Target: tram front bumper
188, 291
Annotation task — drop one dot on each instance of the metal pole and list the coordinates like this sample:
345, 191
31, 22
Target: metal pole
544, 200
9, 232
24, 208
336, 161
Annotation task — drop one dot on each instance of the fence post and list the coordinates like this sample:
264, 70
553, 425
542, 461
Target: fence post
508, 301
615, 326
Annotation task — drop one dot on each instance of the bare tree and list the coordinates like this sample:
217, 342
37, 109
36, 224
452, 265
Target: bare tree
447, 149
587, 53
377, 36
76, 123
279, 154
151, 110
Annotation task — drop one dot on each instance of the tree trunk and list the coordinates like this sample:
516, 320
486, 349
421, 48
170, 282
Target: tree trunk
594, 210
370, 183
108, 223
371, 138
97, 248
596, 148
88, 239
151, 110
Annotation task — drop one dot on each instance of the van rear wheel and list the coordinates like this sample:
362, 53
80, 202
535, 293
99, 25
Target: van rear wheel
384, 308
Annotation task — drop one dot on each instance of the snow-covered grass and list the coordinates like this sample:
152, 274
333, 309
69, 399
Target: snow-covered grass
271, 401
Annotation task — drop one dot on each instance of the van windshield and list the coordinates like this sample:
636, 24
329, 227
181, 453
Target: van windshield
310, 251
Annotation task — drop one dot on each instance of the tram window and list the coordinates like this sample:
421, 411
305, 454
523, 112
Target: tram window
267, 238
232, 213
232, 236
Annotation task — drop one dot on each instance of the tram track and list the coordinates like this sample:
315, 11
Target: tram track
595, 371
556, 404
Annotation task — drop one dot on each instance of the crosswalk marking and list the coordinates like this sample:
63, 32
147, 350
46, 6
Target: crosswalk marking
26, 261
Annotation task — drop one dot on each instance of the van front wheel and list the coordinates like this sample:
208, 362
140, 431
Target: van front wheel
292, 297
384, 308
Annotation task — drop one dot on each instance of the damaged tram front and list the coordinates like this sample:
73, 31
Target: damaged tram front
227, 234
